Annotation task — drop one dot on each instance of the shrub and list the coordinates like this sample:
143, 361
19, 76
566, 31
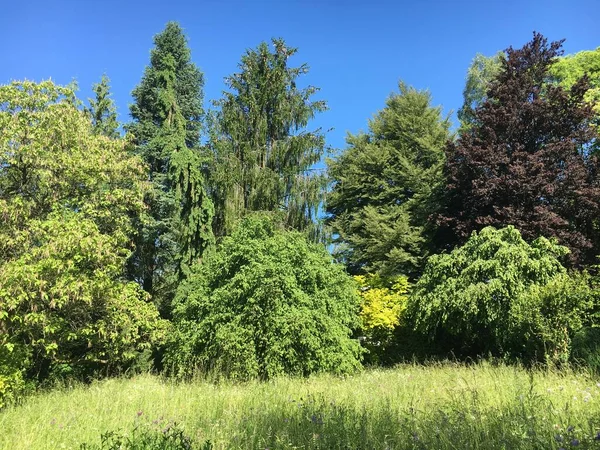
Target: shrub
499, 295
267, 302
383, 302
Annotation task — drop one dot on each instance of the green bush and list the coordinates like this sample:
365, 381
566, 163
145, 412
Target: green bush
267, 302
498, 295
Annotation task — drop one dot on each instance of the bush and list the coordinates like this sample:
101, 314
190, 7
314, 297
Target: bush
267, 302
383, 302
500, 296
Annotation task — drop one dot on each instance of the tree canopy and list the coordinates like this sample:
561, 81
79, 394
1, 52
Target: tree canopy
526, 159
385, 186
262, 153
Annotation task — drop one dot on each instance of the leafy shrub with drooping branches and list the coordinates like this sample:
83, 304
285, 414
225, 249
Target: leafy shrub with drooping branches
266, 302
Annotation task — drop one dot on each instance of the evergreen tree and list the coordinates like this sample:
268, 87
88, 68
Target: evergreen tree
385, 186
526, 160
261, 151
102, 110
166, 130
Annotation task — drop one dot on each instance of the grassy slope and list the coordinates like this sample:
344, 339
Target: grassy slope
433, 407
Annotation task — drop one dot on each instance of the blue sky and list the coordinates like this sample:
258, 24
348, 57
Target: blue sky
357, 50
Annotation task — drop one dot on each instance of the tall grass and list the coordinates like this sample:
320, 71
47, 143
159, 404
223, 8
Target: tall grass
442, 406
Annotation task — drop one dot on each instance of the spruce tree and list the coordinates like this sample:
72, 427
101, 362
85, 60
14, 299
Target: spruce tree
261, 151
166, 130
385, 187
102, 110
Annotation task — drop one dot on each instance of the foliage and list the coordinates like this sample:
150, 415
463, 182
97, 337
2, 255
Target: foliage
383, 302
267, 302
481, 72
67, 198
385, 186
262, 154
166, 126
102, 110
144, 437
499, 295
525, 161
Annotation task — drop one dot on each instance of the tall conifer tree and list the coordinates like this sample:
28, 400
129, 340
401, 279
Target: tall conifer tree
166, 130
102, 110
262, 152
385, 186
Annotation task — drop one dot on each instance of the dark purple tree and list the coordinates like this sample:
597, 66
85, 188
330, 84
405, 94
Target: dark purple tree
526, 160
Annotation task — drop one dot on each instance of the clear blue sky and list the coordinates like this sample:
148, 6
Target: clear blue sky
357, 50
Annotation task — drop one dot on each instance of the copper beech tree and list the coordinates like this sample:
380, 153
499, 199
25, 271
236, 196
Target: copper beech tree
526, 161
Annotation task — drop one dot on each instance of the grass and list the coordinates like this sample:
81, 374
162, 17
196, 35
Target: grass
442, 406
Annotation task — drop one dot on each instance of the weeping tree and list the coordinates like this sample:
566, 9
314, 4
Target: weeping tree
166, 126
262, 154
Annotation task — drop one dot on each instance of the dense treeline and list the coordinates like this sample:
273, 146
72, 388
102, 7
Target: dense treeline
197, 241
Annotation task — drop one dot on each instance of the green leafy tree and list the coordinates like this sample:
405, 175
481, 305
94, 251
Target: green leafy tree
166, 126
67, 197
386, 185
482, 71
267, 302
526, 160
262, 153
499, 295
102, 110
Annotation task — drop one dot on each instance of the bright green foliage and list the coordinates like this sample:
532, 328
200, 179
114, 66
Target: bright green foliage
67, 198
267, 302
383, 301
166, 130
262, 153
499, 295
102, 110
385, 186
481, 72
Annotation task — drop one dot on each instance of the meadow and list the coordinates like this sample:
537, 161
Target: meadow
439, 406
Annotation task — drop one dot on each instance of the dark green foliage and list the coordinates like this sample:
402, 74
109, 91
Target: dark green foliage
499, 295
102, 110
385, 186
266, 303
262, 153
166, 130
526, 160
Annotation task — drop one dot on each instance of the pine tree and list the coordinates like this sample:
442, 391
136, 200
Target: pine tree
102, 110
385, 186
526, 161
166, 130
262, 153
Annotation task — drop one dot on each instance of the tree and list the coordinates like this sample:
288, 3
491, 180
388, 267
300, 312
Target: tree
267, 302
67, 197
385, 186
102, 110
565, 71
261, 152
166, 130
499, 295
526, 159
482, 71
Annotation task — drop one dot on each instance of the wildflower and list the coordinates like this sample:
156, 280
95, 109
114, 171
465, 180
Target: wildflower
597, 437
575, 442
558, 438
